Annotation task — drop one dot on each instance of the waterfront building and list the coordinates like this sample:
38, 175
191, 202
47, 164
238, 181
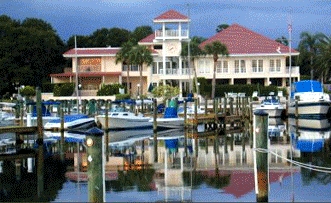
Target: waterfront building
253, 59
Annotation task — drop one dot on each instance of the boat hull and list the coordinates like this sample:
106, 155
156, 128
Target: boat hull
71, 122
311, 124
169, 123
310, 110
276, 112
119, 123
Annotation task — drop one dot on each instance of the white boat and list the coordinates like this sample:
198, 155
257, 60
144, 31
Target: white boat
309, 140
170, 119
271, 105
31, 118
71, 121
128, 136
312, 102
68, 136
118, 119
276, 128
190, 110
305, 123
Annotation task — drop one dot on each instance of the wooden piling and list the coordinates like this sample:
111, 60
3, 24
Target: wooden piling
261, 158
40, 142
155, 130
96, 168
62, 153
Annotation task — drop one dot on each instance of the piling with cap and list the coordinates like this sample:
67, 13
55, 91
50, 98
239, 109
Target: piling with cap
96, 169
261, 158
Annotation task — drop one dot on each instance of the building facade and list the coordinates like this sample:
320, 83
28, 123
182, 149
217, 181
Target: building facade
252, 59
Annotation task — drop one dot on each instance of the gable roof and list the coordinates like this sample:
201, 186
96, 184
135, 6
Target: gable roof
148, 39
171, 16
240, 40
87, 52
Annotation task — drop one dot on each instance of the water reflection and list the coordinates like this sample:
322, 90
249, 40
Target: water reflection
212, 168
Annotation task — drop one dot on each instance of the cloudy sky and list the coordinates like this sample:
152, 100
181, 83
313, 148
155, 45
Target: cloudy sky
267, 17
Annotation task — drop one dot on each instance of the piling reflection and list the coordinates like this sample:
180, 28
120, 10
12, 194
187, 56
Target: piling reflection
25, 189
182, 164
312, 139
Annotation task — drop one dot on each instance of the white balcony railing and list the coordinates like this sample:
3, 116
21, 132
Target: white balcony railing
171, 34
169, 71
294, 70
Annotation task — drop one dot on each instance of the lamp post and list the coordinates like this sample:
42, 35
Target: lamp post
198, 88
138, 87
79, 98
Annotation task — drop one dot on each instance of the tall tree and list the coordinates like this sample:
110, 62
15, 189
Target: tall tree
323, 60
140, 33
118, 36
124, 56
141, 55
29, 52
308, 47
283, 40
215, 48
221, 27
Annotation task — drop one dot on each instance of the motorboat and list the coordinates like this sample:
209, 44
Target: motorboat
71, 121
170, 119
309, 140
68, 136
31, 117
272, 105
276, 128
119, 119
307, 100
304, 123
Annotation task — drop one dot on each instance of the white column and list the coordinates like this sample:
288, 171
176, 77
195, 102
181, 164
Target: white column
180, 89
180, 30
1, 169
181, 161
28, 119
30, 165
180, 66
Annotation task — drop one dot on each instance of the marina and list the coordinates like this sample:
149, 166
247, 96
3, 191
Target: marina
174, 165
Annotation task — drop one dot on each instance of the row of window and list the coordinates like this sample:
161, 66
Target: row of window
239, 66
221, 66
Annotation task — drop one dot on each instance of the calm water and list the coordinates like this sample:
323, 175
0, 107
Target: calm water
201, 181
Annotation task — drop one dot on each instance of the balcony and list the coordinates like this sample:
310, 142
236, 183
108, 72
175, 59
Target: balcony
294, 70
171, 34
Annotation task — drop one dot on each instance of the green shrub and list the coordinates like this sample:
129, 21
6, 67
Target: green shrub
109, 90
64, 89
122, 96
28, 91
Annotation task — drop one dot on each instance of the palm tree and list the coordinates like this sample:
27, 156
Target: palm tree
215, 48
323, 59
124, 55
309, 46
195, 51
141, 55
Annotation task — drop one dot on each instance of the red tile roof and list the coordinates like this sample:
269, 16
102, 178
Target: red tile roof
171, 15
92, 51
83, 52
240, 40
148, 39
86, 74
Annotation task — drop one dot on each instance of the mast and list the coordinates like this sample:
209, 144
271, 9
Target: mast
290, 54
189, 49
76, 80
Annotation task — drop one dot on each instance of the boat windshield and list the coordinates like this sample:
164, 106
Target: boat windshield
117, 109
271, 100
